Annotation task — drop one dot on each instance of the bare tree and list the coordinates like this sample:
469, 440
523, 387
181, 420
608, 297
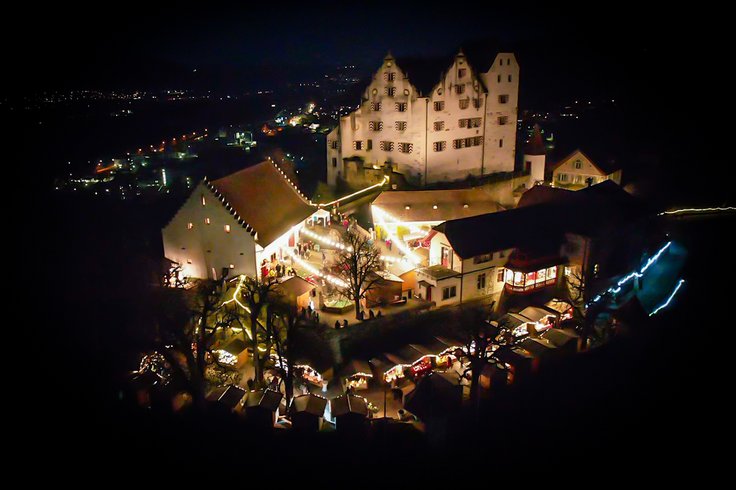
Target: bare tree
257, 296
357, 263
186, 325
478, 335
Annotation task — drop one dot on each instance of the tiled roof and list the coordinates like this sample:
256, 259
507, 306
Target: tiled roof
263, 199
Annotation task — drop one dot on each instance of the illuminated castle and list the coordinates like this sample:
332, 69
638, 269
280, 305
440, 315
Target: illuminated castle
464, 124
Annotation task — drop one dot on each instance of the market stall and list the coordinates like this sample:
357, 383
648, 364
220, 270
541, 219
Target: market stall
356, 375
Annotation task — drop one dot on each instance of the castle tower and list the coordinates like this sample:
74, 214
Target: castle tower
535, 156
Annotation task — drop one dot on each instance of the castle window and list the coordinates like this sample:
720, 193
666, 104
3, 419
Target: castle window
464, 103
333, 144
439, 105
476, 103
375, 125
334, 162
390, 91
190, 226
376, 106
357, 145
369, 145
460, 89
503, 99
509, 78
439, 125
406, 147
401, 106
501, 61
499, 79
389, 76
400, 125
474, 122
503, 120
461, 72
500, 143
440, 145
387, 145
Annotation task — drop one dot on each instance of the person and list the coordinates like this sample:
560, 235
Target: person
379, 314
337, 324
345, 323
316, 318
371, 315
324, 257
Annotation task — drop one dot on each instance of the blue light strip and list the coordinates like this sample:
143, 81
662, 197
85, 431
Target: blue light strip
669, 300
634, 274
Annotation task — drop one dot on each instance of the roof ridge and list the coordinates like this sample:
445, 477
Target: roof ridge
293, 185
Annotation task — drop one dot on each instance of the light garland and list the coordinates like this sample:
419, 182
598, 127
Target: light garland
314, 271
326, 241
380, 215
366, 189
669, 300
698, 210
629, 277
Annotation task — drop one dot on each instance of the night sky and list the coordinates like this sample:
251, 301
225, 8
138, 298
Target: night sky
135, 44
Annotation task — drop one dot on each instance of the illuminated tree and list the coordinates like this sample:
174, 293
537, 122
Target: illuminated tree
357, 264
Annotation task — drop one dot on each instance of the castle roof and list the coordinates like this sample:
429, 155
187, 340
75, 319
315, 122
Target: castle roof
264, 198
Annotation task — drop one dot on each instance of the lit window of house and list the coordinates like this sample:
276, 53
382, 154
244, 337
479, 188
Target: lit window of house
387, 145
450, 292
232, 266
503, 99
562, 177
400, 125
406, 147
500, 274
439, 105
440, 145
227, 228
578, 164
207, 221
375, 125
401, 106
439, 125
190, 226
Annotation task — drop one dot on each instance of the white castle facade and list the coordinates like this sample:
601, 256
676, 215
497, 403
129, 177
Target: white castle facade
466, 125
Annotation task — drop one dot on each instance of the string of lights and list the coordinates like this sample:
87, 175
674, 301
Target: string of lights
698, 210
669, 299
